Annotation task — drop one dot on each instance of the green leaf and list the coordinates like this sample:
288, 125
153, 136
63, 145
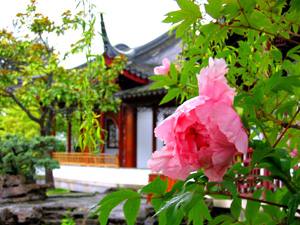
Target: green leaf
174, 17
260, 20
221, 219
157, 203
157, 186
263, 218
248, 5
293, 205
173, 73
252, 207
110, 201
236, 207
188, 5
214, 8
230, 186
177, 200
174, 216
261, 151
131, 210
195, 215
172, 93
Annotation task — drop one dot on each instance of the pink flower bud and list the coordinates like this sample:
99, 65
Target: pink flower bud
294, 153
164, 68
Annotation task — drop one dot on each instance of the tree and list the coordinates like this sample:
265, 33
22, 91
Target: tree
15, 121
32, 79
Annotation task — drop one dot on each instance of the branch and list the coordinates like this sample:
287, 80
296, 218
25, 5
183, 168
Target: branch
286, 128
29, 114
251, 199
260, 30
280, 122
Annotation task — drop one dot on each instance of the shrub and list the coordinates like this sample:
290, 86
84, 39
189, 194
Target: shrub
20, 156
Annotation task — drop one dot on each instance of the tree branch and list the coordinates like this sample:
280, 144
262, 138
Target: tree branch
29, 114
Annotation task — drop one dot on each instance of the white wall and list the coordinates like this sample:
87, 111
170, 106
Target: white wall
144, 136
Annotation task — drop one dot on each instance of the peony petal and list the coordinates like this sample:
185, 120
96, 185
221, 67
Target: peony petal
230, 125
212, 82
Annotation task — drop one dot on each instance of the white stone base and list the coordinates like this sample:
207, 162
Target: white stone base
98, 179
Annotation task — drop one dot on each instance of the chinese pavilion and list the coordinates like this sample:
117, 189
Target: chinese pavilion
130, 131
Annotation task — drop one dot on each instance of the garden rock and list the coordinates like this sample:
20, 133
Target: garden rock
14, 189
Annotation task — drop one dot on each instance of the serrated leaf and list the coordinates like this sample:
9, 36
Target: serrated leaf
260, 20
188, 5
131, 210
174, 17
214, 8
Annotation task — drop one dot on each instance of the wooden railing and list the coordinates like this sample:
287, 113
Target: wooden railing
86, 159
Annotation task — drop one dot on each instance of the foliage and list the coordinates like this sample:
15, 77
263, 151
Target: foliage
260, 42
32, 79
14, 121
20, 156
68, 221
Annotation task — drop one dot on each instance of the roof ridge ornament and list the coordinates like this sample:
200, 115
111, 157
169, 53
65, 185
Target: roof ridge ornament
111, 50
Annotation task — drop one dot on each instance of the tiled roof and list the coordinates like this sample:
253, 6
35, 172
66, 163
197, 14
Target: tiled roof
142, 91
143, 59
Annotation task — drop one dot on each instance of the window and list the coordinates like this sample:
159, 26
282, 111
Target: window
112, 134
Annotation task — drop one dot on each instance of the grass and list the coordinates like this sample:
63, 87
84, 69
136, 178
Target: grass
57, 191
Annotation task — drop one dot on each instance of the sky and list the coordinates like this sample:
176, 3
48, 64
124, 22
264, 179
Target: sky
132, 22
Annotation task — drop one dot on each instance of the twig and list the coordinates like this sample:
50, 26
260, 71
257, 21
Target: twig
286, 128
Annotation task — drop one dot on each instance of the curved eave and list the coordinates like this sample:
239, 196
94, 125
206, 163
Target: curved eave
127, 73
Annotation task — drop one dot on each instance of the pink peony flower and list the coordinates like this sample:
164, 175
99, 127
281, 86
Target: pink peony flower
164, 69
294, 153
204, 132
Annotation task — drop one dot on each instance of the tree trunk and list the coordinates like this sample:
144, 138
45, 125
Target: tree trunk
46, 130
